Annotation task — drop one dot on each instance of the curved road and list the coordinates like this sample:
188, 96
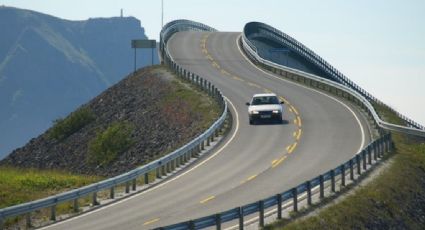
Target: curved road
254, 161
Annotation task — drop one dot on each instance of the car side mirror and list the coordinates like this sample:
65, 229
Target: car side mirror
247, 104
282, 102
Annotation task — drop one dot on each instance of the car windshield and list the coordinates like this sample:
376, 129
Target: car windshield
266, 100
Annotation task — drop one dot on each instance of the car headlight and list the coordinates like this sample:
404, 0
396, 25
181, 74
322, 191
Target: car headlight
254, 112
276, 111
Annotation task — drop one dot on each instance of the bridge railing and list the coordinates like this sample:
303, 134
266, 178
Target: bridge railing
264, 30
161, 166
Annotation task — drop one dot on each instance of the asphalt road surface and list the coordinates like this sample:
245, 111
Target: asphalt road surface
254, 161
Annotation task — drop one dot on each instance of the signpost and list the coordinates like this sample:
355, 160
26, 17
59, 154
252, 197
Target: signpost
142, 44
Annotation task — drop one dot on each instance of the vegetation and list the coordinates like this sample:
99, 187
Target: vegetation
395, 199
63, 128
23, 185
106, 146
185, 100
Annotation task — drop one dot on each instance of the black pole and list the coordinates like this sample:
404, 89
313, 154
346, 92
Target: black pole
134, 60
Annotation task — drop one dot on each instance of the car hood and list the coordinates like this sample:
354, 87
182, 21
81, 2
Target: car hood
265, 108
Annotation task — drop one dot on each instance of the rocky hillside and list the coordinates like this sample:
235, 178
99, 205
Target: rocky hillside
160, 114
50, 66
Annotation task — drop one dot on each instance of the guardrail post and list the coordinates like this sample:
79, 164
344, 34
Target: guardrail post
309, 201
359, 169
127, 187
191, 225
53, 213
147, 178
376, 149
134, 184
94, 199
369, 154
241, 218
333, 180
112, 192
322, 187
218, 221
343, 174
261, 216
202, 145
158, 172
279, 206
364, 160
351, 170
163, 171
76, 206
28, 220
208, 141
1, 223
295, 199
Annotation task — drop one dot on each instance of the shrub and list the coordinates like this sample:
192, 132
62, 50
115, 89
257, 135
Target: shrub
106, 146
63, 128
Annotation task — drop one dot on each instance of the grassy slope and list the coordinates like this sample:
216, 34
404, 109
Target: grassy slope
23, 185
394, 200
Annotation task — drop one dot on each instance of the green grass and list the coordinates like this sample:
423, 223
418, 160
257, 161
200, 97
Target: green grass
23, 185
106, 146
63, 128
191, 100
394, 200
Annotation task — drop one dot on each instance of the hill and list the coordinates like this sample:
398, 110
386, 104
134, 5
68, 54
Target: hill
50, 66
135, 121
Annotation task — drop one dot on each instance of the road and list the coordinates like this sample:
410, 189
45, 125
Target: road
254, 161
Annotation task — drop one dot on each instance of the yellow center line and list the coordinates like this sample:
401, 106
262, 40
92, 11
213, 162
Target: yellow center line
237, 78
278, 162
225, 72
205, 51
293, 147
267, 90
299, 134
151, 221
206, 200
251, 177
253, 85
295, 134
274, 161
287, 148
295, 111
295, 121
299, 121
216, 65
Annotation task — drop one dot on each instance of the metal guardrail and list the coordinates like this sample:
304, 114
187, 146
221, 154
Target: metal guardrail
161, 166
256, 29
356, 165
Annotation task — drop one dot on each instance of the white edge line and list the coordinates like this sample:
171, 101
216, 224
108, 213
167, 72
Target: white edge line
161, 184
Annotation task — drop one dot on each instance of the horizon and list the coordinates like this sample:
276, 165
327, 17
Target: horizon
370, 42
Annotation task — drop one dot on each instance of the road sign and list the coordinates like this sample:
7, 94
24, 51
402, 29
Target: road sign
143, 43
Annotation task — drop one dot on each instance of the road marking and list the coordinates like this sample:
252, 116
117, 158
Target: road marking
254, 85
295, 121
274, 161
278, 162
215, 64
205, 51
299, 121
299, 134
251, 177
165, 182
151, 221
294, 134
292, 147
237, 78
287, 148
225, 72
295, 110
206, 200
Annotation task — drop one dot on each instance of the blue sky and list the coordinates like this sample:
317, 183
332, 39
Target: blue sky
378, 44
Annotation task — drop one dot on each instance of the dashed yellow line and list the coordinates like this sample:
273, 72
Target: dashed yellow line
254, 85
295, 110
299, 121
216, 65
237, 78
151, 221
287, 148
207, 199
276, 163
251, 177
295, 121
225, 72
205, 51
299, 134
267, 90
292, 148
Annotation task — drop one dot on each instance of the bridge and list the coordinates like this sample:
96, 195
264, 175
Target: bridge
328, 121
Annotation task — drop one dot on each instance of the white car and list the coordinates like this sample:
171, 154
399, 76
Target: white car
265, 106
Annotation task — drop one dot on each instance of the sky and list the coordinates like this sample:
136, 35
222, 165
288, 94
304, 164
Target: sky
378, 44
